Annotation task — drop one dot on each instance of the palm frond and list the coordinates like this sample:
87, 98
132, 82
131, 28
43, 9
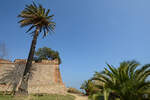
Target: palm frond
126, 81
36, 16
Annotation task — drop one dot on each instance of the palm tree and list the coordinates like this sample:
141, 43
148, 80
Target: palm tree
39, 20
126, 82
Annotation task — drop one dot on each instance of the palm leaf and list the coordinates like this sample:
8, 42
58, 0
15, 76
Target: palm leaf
36, 16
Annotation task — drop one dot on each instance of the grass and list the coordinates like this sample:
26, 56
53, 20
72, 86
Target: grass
32, 97
6, 97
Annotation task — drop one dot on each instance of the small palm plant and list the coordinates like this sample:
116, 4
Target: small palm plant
89, 87
86, 86
39, 20
125, 82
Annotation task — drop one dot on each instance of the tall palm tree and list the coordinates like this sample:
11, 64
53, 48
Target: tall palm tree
39, 20
126, 82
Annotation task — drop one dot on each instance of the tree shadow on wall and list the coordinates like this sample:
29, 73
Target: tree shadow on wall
13, 75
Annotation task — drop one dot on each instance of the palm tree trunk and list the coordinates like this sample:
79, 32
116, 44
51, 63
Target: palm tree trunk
23, 88
106, 94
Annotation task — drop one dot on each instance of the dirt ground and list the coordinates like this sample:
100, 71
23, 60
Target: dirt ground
79, 97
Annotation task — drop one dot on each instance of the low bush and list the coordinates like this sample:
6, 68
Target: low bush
74, 90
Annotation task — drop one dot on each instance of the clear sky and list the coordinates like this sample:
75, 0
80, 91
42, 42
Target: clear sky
88, 34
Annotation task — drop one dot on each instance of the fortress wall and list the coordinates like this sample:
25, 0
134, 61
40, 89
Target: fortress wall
41, 75
57, 75
45, 76
5, 65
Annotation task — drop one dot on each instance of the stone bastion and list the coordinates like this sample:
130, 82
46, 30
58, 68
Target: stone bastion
45, 78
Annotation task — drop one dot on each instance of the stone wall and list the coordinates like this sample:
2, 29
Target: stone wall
45, 76
5, 65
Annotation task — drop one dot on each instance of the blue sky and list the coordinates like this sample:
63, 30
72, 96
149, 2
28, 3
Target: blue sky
88, 34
